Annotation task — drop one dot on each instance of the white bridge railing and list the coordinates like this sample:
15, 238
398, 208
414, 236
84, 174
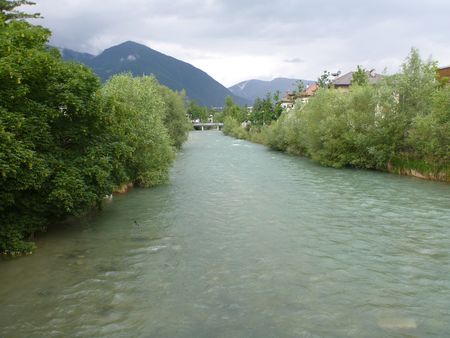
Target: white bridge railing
202, 126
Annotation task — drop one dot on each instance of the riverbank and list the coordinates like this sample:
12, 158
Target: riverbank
401, 124
398, 166
418, 169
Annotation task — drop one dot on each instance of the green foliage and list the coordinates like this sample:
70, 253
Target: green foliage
323, 122
138, 138
277, 137
429, 135
265, 110
218, 115
175, 120
234, 111
9, 12
12, 242
415, 86
232, 127
324, 81
241, 123
196, 112
360, 77
403, 123
65, 142
47, 127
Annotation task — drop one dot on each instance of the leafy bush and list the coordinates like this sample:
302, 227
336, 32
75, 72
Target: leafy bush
233, 128
400, 123
65, 142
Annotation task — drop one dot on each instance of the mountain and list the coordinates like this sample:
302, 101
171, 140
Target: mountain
69, 54
173, 73
253, 89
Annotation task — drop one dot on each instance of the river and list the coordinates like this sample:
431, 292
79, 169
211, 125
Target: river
243, 242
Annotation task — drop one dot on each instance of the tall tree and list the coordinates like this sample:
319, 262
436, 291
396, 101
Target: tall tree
175, 120
64, 143
266, 110
49, 130
416, 84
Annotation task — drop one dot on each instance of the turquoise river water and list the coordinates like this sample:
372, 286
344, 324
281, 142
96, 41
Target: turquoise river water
243, 242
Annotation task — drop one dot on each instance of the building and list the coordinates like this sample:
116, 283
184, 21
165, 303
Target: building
444, 72
345, 81
305, 95
288, 101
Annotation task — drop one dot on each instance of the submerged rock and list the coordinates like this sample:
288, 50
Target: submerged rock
397, 323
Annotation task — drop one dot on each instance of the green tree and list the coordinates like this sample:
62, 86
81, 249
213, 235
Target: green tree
403, 123
138, 137
49, 128
428, 138
234, 111
196, 111
265, 110
64, 142
415, 85
175, 119
8, 10
217, 114
360, 77
324, 80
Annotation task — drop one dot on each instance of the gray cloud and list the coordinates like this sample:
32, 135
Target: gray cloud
223, 37
294, 60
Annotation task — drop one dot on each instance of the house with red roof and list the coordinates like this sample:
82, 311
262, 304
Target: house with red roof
288, 101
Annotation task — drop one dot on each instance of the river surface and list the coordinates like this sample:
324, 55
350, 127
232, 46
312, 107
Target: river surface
243, 242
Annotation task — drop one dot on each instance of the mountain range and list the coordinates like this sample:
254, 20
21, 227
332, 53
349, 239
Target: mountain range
253, 89
141, 60
173, 73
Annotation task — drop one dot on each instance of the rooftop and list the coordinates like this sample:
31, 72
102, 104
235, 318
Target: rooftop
346, 79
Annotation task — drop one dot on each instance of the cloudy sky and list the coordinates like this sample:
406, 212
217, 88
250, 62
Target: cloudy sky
236, 40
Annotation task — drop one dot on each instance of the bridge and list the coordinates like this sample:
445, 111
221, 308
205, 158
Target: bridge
207, 125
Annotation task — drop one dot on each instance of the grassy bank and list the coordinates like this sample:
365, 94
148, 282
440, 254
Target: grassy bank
400, 125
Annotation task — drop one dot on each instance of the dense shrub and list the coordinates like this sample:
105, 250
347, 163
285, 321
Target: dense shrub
399, 124
137, 137
66, 142
233, 128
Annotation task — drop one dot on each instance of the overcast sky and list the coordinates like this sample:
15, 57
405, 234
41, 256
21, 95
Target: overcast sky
237, 40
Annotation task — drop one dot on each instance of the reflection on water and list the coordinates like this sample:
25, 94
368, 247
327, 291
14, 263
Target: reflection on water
243, 242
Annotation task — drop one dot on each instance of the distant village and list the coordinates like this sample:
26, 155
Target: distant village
289, 99
341, 82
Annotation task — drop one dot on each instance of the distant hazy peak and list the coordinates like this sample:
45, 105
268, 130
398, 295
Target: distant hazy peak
252, 89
